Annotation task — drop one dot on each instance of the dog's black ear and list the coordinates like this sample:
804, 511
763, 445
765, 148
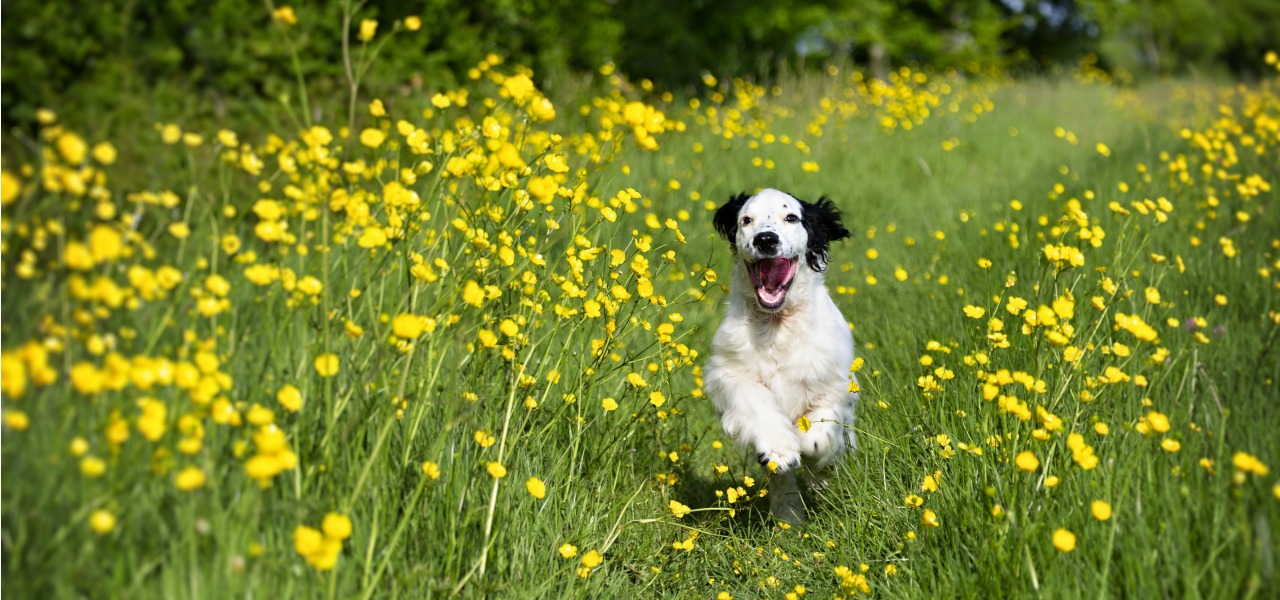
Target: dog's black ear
822, 223
726, 219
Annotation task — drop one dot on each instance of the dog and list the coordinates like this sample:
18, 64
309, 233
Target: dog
784, 351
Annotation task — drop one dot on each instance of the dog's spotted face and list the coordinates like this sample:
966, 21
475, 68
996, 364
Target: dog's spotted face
771, 232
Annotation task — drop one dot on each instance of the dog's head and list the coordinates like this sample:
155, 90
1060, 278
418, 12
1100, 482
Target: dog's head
771, 231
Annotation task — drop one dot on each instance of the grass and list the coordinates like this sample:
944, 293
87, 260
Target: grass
461, 321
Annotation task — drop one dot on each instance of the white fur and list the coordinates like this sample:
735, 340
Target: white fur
770, 367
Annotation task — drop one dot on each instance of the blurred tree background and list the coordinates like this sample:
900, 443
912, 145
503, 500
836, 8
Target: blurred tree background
117, 58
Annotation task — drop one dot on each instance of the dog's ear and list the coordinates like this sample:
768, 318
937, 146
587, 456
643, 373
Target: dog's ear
822, 223
726, 218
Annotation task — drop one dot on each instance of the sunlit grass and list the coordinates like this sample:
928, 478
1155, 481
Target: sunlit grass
451, 343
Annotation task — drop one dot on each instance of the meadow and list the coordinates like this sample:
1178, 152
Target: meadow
449, 343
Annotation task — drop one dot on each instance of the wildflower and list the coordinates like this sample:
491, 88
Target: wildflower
413, 23
678, 509
930, 518
519, 88
102, 521
1064, 540
285, 15
92, 466
290, 398
636, 380
1101, 510
336, 526
190, 478
472, 294
327, 364
568, 550
17, 420
609, 404
372, 137
496, 470
1027, 461
1249, 464
431, 470
1158, 422
408, 326
368, 28
536, 488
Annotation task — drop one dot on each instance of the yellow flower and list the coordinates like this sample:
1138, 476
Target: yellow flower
568, 551
1101, 510
431, 469
92, 466
290, 398
1152, 295
413, 23
473, 294
536, 488
609, 404
408, 326
327, 364
508, 328
17, 420
974, 312
72, 148
1027, 461
1064, 540
104, 153
657, 399
803, 423
678, 509
1170, 445
368, 28
307, 541
592, 559
372, 137
519, 87
496, 470
190, 478
10, 187
336, 526
1158, 422
285, 15
930, 518
102, 521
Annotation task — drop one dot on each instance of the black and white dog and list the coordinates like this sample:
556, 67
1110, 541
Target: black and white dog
784, 350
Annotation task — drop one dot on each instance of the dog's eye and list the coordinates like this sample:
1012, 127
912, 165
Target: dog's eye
746, 220
792, 218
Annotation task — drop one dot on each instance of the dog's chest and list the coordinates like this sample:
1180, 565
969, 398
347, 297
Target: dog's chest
796, 361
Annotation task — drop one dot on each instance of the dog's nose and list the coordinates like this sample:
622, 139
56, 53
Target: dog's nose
766, 242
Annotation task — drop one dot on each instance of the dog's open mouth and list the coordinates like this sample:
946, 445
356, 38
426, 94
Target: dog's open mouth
772, 278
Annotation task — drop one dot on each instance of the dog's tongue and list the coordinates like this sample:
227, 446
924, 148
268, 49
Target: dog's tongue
772, 277
774, 273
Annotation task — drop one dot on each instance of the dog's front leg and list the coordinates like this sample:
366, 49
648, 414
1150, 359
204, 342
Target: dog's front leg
829, 435
749, 414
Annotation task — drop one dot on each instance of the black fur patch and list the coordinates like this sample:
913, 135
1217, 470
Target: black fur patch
726, 218
821, 220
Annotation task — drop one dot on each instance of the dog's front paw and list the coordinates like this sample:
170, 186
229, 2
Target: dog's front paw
779, 461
